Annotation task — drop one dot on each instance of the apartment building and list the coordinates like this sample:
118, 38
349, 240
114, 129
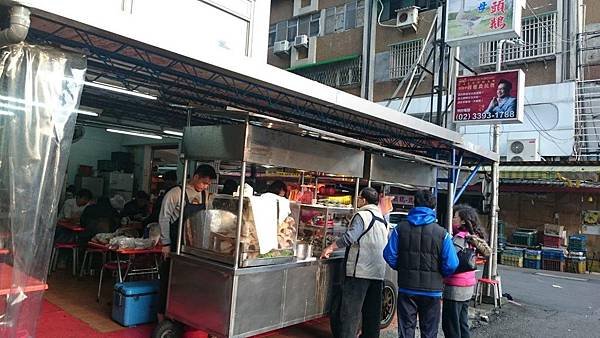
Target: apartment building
325, 40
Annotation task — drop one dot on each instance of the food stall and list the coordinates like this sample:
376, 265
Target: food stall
221, 281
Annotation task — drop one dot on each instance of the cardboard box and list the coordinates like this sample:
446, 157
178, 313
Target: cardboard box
554, 230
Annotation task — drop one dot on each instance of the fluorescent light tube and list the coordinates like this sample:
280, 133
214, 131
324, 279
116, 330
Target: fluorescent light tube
133, 133
119, 90
6, 113
173, 132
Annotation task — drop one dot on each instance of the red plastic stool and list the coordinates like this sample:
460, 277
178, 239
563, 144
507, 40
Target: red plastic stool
479, 291
64, 246
112, 266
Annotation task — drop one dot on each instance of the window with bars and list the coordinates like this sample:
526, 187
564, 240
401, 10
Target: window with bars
344, 17
403, 56
538, 34
336, 74
289, 29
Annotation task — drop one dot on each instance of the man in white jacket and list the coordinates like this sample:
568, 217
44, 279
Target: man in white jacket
365, 270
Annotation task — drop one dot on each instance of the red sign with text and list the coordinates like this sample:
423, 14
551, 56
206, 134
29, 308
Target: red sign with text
490, 98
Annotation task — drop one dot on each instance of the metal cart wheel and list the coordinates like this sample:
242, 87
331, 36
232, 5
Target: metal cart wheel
168, 329
388, 304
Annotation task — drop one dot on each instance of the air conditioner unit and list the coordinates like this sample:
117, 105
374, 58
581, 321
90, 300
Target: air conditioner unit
407, 18
301, 41
281, 47
523, 150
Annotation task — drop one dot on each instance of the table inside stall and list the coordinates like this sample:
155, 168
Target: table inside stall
129, 262
9, 276
73, 227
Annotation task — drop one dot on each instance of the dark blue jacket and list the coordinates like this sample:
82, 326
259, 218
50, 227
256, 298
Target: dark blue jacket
420, 216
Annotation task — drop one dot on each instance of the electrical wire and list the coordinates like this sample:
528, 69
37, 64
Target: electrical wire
545, 27
379, 17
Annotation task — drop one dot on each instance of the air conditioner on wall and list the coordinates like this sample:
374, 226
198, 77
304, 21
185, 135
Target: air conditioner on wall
407, 18
301, 41
281, 47
523, 150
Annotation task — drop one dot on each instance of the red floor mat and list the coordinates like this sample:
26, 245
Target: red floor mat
53, 322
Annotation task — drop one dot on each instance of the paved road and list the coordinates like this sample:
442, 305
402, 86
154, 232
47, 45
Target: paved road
550, 304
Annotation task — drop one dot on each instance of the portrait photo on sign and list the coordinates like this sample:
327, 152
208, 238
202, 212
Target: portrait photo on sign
489, 97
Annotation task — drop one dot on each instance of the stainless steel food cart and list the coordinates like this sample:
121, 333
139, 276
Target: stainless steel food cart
236, 294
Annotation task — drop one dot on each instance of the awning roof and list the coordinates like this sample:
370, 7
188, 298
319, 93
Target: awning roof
214, 82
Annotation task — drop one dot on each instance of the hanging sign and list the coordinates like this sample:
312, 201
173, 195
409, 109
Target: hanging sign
490, 98
474, 21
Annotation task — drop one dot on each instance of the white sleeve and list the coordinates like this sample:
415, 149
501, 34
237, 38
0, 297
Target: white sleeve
67, 211
169, 211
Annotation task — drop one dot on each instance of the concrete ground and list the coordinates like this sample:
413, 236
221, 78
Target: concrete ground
546, 304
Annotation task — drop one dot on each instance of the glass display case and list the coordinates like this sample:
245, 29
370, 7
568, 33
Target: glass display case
322, 225
213, 232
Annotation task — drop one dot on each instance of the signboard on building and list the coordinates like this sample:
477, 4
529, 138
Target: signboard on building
490, 98
591, 222
474, 21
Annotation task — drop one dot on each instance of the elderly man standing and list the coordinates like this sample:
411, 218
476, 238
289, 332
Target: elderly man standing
365, 270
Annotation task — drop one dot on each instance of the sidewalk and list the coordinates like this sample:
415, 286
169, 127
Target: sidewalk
474, 321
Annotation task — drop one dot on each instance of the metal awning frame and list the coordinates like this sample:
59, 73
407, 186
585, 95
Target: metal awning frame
185, 81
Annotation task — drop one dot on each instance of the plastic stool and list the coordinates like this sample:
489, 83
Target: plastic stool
112, 266
74, 247
91, 251
479, 291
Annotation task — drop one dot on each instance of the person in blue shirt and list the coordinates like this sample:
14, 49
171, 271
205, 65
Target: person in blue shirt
503, 103
422, 253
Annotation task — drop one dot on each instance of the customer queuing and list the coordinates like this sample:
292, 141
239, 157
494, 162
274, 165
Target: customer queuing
422, 253
360, 305
459, 287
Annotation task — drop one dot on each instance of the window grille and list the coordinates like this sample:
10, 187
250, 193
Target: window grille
337, 74
538, 34
403, 56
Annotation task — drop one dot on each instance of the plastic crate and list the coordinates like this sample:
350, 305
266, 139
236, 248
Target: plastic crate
552, 241
526, 237
577, 243
533, 255
553, 254
532, 263
553, 264
576, 265
512, 261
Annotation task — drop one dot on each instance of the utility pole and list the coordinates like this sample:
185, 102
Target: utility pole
493, 263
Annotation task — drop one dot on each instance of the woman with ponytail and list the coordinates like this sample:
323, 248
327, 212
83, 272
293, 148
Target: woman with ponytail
459, 287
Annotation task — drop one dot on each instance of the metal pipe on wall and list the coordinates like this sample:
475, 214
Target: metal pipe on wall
181, 206
18, 27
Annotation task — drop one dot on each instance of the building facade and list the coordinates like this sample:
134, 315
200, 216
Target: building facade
363, 47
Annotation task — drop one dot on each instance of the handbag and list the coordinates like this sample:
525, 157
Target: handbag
467, 257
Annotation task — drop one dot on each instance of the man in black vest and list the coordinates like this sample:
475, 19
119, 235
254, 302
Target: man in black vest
422, 252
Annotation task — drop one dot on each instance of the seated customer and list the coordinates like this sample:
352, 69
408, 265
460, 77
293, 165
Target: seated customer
71, 212
74, 206
98, 218
137, 209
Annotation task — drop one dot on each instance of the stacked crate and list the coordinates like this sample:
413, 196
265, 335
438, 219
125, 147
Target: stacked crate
553, 259
525, 237
577, 243
533, 259
554, 235
576, 262
512, 257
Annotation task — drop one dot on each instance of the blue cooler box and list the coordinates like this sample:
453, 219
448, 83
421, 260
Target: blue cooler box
135, 303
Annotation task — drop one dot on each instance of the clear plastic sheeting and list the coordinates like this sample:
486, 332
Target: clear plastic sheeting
40, 88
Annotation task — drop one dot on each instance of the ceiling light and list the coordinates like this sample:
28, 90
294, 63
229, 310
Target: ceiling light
133, 133
25, 103
120, 90
173, 132
6, 113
